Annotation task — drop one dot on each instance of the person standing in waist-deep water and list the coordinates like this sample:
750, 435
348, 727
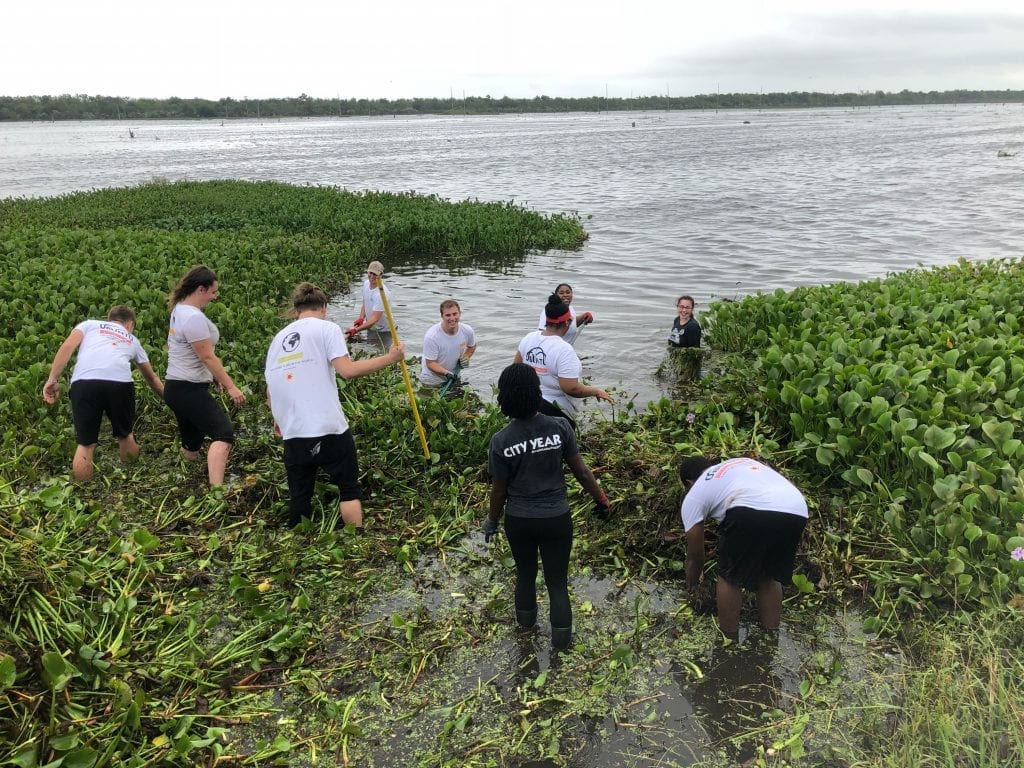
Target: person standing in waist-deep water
192, 366
371, 312
302, 391
528, 484
685, 328
446, 344
576, 322
101, 382
760, 516
557, 364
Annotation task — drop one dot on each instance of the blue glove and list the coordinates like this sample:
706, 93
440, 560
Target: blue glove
490, 527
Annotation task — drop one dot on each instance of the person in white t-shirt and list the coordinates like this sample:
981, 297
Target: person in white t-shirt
557, 364
446, 346
760, 516
192, 366
302, 392
101, 382
576, 322
371, 312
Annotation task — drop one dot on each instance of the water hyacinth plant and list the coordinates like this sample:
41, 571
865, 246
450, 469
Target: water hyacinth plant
146, 621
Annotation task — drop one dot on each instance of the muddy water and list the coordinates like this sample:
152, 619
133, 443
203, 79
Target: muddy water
648, 680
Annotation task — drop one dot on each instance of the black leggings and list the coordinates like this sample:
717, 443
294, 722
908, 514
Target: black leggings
552, 537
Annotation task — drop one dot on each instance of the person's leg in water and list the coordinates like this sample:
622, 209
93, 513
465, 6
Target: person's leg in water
769, 603
729, 598
522, 540
555, 548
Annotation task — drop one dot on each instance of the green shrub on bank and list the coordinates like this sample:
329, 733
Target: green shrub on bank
908, 393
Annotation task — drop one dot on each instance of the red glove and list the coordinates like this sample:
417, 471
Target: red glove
585, 319
352, 331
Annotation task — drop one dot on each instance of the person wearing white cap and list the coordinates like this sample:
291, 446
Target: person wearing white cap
371, 315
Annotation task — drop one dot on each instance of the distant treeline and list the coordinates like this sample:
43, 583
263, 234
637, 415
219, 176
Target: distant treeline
84, 107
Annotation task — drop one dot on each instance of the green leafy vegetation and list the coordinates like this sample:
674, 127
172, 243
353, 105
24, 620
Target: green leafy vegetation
148, 621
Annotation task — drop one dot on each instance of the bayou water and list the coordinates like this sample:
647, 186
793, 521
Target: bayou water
718, 205
714, 204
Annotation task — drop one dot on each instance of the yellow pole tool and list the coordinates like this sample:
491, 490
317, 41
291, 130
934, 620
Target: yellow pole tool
405, 370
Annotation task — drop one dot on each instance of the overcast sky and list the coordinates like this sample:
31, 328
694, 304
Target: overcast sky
404, 48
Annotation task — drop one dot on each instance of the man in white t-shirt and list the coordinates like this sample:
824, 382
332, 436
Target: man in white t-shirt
371, 313
101, 382
447, 347
302, 392
760, 516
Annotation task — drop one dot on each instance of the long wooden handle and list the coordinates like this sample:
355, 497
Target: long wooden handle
405, 370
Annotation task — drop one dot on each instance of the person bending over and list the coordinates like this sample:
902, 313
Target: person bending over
760, 516
101, 382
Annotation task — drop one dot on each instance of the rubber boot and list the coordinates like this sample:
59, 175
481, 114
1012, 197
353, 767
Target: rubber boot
561, 637
526, 619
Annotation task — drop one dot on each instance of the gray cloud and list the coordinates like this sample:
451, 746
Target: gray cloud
862, 52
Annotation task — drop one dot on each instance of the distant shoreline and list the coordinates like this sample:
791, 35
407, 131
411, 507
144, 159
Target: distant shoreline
83, 107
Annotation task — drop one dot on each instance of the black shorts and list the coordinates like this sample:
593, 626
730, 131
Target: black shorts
303, 456
91, 398
198, 414
754, 545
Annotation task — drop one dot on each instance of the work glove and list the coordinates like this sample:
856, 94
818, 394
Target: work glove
490, 527
464, 362
352, 331
602, 509
451, 376
585, 319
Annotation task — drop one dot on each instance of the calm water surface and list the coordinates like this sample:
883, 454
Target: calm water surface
713, 204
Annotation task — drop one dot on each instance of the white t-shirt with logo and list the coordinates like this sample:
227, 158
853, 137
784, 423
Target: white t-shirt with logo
372, 302
740, 483
552, 358
107, 352
188, 325
445, 349
302, 381
570, 335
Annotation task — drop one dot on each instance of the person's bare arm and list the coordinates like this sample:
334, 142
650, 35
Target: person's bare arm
150, 377
348, 368
577, 388
51, 389
694, 554
204, 351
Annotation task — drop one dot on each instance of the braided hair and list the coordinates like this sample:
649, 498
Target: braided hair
519, 391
